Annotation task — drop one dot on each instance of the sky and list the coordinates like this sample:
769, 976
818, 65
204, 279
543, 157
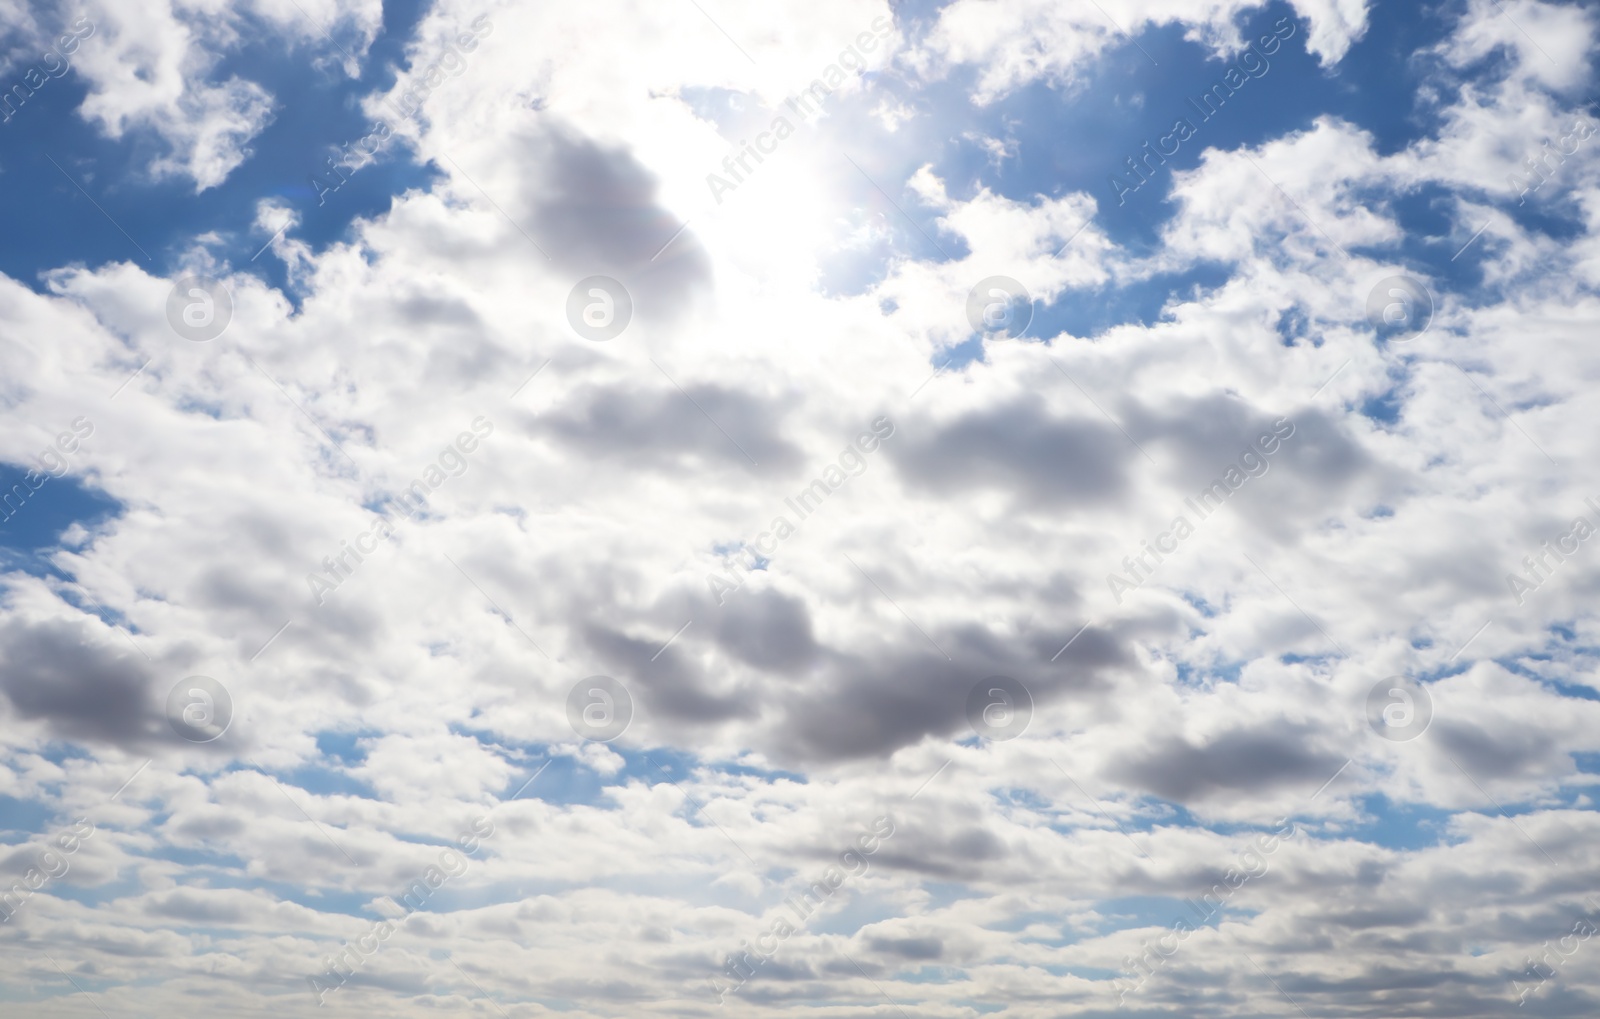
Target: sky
931, 509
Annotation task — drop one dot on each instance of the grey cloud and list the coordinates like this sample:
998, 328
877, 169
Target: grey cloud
767, 629
458, 353
664, 429
872, 705
1441, 990
83, 689
850, 706
1021, 448
596, 213
423, 309
667, 687
914, 949
1245, 760
1207, 433
958, 847
216, 828
1312, 469
1370, 915
1509, 752
222, 587
201, 908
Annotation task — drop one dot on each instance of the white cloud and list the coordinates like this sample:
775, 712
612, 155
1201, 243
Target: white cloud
154, 67
1015, 42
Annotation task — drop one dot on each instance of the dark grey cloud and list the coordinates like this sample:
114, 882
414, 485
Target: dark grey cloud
914, 949
768, 629
1205, 433
198, 909
595, 213
1241, 761
1316, 467
1431, 987
460, 351
87, 688
58, 672
957, 846
665, 429
870, 705
1020, 448
1510, 751
222, 587
1367, 914
668, 687
829, 705
443, 310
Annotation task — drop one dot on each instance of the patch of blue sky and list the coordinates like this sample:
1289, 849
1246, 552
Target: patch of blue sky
32, 520
1137, 911
851, 907
1209, 675
345, 747
1151, 812
59, 752
191, 405
1084, 972
1124, 102
1565, 631
1245, 832
943, 894
1091, 312
1135, 94
1013, 796
569, 780
1587, 763
1444, 670
1576, 690
1016, 923
459, 891
312, 779
122, 886
323, 780
1201, 605
80, 602
1543, 675
773, 776
195, 860
736, 549
1391, 825
315, 111
955, 358
1384, 407
21, 821
923, 973
1292, 658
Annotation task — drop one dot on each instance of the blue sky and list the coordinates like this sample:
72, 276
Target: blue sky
1383, 636
315, 112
